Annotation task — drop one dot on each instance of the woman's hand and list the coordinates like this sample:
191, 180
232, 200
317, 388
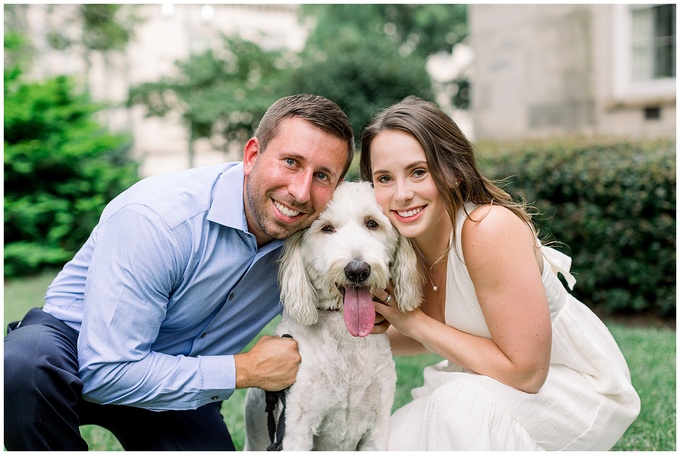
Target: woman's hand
385, 304
381, 324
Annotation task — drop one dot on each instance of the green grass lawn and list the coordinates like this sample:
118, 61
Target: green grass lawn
650, 352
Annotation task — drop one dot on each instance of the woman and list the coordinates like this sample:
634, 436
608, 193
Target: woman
528, 367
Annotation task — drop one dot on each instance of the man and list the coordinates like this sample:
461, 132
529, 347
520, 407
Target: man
141, 331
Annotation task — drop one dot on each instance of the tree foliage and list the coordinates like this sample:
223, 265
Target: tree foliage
61, 169
100, 28
349, 59
385, 36
361, 75
428, 29
363, 57
421, 29
221, 94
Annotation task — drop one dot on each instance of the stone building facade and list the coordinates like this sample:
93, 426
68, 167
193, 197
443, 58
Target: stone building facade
587, 69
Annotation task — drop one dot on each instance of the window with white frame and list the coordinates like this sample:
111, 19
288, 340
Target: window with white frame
653, 42
643, 51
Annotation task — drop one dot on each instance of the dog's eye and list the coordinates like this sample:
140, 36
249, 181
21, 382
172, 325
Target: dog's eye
328, 228
372, 224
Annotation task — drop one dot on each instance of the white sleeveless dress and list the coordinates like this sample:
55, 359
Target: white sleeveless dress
586, 403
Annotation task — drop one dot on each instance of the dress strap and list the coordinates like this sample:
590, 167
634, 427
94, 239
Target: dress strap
559, 262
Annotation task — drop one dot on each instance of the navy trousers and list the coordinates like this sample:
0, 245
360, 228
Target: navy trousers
44, 408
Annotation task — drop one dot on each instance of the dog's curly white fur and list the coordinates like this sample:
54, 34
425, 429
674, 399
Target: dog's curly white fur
344, 390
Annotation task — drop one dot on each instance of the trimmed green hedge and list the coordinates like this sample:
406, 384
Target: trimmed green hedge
611, 207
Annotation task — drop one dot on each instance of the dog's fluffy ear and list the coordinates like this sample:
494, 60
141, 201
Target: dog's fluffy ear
406, 276
297, 293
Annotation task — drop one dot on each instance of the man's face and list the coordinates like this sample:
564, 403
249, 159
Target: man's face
289, 184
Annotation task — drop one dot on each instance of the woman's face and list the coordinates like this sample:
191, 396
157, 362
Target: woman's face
404, 186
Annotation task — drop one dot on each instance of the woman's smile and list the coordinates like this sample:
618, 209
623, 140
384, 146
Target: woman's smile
408, 215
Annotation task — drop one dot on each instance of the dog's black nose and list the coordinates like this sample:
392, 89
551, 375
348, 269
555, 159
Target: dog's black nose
357, 271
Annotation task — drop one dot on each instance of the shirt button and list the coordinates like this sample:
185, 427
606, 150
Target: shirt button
214, 398
231, 296
203, 334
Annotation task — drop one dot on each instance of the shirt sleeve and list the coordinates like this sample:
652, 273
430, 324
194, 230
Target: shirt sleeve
135, 264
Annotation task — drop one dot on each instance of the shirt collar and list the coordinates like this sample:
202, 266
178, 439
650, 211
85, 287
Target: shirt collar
227, 206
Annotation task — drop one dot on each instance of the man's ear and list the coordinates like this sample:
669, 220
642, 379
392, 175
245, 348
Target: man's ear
250, 154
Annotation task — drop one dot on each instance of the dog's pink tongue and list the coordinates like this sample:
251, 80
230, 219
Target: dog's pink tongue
359, 311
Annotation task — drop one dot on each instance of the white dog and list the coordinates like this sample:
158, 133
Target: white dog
343, 394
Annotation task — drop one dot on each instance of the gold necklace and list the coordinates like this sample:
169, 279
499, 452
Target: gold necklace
435, 287
429, 276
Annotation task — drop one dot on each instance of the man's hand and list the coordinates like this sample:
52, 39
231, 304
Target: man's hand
271, 364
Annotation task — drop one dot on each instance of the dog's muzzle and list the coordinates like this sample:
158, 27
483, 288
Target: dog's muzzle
358, 309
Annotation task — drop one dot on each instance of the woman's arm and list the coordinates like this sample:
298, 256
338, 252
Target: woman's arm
403, 345
499, 254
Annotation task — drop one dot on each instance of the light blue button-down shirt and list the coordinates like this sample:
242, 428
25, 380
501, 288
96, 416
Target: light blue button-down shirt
169, 285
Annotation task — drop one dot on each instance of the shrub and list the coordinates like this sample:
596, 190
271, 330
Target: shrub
60, 171
611, 207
